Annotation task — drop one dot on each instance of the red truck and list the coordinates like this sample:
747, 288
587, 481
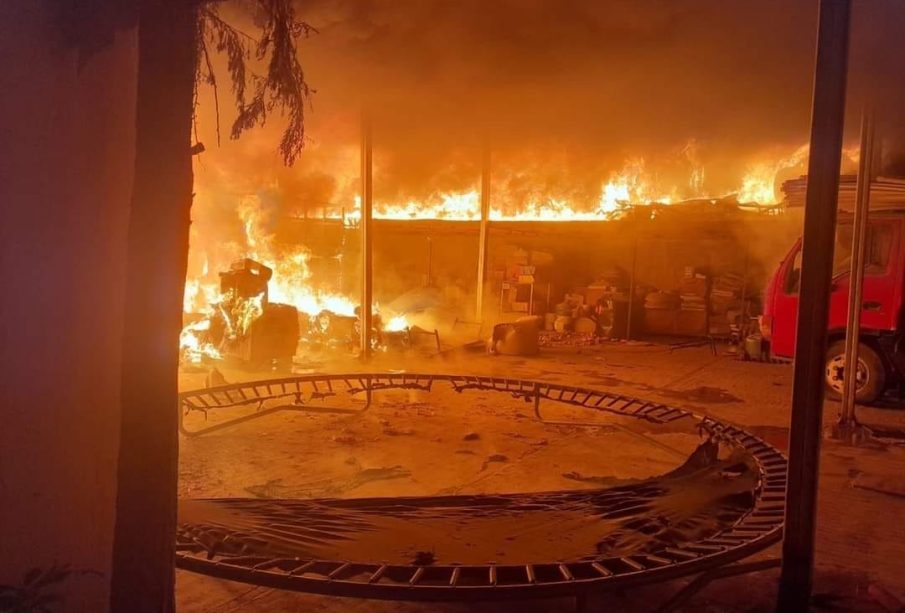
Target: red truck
881, 354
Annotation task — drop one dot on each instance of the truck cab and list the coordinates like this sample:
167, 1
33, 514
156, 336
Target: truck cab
881, 361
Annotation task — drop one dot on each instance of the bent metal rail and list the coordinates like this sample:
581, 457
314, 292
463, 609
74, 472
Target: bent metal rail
752, 532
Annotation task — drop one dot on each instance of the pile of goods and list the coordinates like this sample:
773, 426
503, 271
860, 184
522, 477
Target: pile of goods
572, 315
587, 314
693, 290
701, 306
726, 308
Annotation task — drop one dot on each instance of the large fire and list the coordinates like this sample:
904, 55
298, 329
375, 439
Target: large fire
759, 183
292, 282
632, 186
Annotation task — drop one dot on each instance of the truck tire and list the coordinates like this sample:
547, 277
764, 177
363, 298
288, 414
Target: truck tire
871, 373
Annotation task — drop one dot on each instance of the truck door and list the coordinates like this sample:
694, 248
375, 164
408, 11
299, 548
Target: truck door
882, 280
881, 294
785, 304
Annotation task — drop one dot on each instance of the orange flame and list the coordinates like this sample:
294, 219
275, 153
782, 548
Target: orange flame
759, 183
292, 280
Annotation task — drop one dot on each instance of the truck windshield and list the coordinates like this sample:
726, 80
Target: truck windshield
876, 253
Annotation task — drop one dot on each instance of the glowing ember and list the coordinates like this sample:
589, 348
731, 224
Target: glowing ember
193, 349
461, 207
397, 324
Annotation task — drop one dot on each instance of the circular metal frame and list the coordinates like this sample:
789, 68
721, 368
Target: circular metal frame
752, 532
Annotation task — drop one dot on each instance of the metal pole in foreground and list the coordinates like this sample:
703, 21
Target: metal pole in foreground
367, 256
827, 118
483, 240
847, 419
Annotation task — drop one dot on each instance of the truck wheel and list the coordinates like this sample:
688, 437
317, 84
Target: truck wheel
871, 373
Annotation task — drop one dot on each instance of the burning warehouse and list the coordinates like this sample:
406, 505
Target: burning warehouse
550, 305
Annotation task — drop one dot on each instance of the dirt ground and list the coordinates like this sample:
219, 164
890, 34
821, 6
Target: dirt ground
412, 443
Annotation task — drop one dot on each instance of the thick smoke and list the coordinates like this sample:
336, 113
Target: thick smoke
565, 93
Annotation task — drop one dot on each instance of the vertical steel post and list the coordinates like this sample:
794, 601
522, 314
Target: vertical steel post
827, 119
430, 262
483, 239
847, 419
367, 256
629, 317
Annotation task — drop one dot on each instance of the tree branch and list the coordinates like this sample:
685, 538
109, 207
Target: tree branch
282, 86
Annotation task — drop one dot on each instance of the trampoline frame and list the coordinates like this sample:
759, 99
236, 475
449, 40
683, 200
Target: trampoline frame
710, 558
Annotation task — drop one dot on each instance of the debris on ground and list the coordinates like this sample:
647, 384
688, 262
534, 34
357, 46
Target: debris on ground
266, 490
577, 476
379, 474
517, 338
345, 439
391, 431
705, 394
424, 558
494, 458
567, 339
328, 487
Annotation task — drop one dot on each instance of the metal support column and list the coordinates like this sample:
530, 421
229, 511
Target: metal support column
827, 119
629, 318
367, 256
847, 419
483, 240
430, 262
